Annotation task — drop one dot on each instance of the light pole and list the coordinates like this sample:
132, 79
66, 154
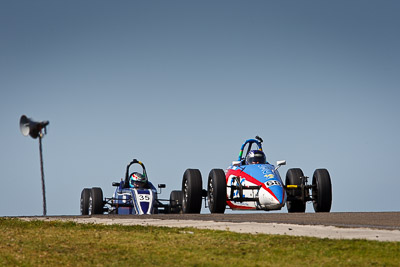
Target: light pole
35, 130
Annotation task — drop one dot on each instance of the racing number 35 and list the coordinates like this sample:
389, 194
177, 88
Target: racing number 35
144, 197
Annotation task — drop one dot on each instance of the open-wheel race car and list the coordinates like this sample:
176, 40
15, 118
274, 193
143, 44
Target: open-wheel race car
251, 183
133, 195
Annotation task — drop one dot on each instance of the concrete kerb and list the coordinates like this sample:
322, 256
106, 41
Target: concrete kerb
318, 231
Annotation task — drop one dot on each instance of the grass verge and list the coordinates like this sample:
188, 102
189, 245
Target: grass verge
39, 243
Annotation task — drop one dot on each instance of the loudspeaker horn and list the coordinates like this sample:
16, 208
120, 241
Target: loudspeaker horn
30, 127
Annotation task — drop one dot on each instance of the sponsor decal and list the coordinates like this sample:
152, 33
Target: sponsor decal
233, 182
267, 172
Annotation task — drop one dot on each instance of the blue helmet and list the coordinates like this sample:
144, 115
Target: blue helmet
256, 157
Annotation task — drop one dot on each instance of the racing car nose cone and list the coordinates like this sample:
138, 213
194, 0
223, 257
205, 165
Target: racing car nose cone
278, 193
272, 199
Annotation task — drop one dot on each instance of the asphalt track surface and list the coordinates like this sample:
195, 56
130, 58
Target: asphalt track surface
379, 226
376, 220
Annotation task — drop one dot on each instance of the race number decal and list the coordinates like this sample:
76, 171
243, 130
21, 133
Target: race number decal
272, 183
144, 197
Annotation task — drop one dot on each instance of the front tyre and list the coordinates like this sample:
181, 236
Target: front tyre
192, 191
216, 191
96, 203
175, 201
84, 205
294, 202
322, 191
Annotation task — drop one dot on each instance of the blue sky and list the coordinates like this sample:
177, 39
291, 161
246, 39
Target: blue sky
181, 84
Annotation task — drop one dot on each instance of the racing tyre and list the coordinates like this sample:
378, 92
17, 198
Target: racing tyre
294, 202
85, 196
192, 191
96, 203
175, 201
216, 191
322, 190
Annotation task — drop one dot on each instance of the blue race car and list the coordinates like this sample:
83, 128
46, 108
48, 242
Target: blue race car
133, 195
251, 183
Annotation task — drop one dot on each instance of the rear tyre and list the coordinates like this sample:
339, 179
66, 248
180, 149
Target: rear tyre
175, 201
322, 191
294, 204
192, 191
96, 203
85, 196
216, 191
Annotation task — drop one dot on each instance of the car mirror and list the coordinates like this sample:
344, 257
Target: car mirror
160, 186
281, 162
116, 184
236, 163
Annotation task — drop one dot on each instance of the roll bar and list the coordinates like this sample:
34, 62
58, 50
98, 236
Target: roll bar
258, 141
129, 165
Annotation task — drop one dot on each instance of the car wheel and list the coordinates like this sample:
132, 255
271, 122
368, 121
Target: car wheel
192, 191
293, 178
322, 191
85, 195
216, 191
96, 203
175, 201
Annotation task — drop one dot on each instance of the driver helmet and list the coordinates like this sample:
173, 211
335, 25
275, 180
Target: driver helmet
256, 157
137, 179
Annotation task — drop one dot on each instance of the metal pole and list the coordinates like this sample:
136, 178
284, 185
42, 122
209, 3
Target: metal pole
42, 172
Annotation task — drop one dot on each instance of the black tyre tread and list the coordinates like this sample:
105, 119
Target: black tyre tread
193, 197
97, 200
175, 201
323, 194
217, 204
84, 205
293, 178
